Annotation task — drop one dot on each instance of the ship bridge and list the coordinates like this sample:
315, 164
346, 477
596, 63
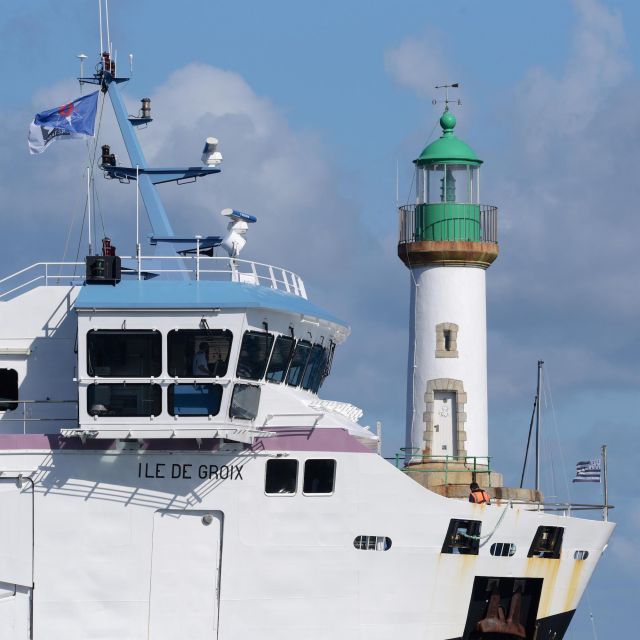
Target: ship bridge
232, 352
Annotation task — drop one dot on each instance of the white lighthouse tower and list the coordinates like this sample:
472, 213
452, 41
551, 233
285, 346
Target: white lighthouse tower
447, 241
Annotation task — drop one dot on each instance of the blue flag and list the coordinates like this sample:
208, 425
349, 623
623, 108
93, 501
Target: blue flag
73, 120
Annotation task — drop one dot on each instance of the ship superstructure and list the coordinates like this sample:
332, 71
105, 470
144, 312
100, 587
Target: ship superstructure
168, 469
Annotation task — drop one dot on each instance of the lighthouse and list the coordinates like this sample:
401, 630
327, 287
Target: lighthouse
448, 240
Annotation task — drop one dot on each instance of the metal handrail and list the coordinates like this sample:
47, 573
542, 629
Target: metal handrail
416, 459
199, 267
458, 227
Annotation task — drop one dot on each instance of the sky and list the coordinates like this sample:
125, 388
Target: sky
320, 109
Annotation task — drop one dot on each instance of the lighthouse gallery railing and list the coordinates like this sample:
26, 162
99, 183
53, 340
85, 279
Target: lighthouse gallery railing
454, 222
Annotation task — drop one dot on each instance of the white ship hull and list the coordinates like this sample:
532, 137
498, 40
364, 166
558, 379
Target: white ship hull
107, 544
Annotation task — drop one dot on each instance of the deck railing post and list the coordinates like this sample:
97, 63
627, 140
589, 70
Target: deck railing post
198, 257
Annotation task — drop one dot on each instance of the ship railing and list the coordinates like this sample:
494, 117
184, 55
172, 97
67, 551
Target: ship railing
563, 508
409, 459
22, 413
196, 267
456, 222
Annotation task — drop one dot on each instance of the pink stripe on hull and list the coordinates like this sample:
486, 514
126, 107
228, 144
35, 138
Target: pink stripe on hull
287, 439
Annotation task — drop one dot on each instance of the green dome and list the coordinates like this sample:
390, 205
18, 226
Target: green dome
448, 148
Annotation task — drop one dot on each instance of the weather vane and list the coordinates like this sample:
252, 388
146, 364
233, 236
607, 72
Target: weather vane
446, 87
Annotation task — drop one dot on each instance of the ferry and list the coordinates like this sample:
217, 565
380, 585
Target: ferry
169, 469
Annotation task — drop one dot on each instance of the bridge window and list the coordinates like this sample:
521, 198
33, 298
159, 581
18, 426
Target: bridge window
372, 543
282, 477
8, 389
547, 543
319, 476
244, 401
120, 354
130, 400
316, 366
194, 399
254, 355
200, 353
299, 362
280, 358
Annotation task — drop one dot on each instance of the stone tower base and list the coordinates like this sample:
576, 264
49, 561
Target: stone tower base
452, 480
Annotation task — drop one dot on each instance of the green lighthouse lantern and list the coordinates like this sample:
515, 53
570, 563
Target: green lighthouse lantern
448, 189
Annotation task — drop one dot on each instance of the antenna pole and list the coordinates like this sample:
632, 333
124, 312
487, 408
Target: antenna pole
605, 514
537, 483
106, 14
100, 18
89, 206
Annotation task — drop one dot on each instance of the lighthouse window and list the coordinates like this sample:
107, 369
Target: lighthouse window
201, 353
245, 401
282, 477
8, 389
300, 357
254, 355
124, 400
446, 340
319, 476
119, 354
280, 358
194, 399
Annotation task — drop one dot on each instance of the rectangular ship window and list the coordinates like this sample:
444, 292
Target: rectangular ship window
8, 389
124, 354
254, 354
299, 362
281, 477
280, 358
547, 543
131, 400
244, 401
198, 353
194, 399
319, 476
462, 537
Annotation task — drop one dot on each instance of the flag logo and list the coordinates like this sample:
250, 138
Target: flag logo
71, 120
588, 471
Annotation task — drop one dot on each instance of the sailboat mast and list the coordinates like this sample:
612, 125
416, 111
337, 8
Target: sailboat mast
537, 482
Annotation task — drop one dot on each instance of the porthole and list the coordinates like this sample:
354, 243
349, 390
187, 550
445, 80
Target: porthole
372, 543
503, 549
581, 554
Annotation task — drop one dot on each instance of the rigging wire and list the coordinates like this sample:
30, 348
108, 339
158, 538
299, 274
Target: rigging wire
92, 164
557, 434
75, 210
593, 622
549, 450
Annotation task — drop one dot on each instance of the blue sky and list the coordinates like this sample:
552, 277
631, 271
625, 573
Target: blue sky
315, 105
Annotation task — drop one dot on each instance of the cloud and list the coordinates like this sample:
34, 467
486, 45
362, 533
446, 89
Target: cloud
419, 63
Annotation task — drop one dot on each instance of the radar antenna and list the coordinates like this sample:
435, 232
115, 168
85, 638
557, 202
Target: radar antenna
446, 101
